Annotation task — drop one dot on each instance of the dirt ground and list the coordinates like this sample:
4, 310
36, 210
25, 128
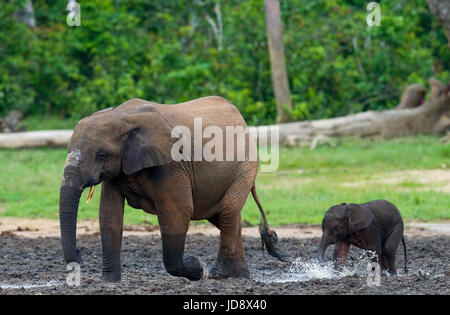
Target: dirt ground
31, 263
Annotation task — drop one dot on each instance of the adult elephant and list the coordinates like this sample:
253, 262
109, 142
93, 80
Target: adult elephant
128, 150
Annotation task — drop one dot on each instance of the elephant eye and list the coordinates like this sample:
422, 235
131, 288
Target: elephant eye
101, 156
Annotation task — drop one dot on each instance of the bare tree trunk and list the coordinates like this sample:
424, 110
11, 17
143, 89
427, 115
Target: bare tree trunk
217, 28
441, 9
277, 59
26, 15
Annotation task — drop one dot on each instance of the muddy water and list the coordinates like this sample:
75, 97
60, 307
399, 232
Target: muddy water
309, 269
35, 266
363, 266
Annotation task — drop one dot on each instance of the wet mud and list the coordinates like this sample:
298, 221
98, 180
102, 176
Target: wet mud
35, 266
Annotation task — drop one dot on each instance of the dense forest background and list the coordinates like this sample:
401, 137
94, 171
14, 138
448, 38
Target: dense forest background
173, 51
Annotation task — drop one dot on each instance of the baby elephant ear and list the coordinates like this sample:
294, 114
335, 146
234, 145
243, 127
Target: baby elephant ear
359, 218
148, 144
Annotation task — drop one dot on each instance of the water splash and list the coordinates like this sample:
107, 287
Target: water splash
300, 270
48, 284
205, 269
310, 269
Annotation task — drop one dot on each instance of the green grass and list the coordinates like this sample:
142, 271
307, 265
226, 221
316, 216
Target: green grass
48, 123
305, 186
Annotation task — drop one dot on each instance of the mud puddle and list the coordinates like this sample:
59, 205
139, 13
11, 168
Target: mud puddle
35, 266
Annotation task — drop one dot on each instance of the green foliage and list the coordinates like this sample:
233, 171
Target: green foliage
167, 51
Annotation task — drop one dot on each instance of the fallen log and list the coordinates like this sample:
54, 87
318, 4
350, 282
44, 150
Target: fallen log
31, 139
412, 116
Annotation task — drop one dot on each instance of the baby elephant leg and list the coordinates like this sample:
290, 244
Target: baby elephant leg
389, 251
340, 254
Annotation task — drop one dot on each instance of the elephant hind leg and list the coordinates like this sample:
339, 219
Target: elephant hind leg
231, 260
390, 247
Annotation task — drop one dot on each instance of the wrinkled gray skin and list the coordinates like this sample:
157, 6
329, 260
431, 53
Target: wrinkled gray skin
375, 226
128, 150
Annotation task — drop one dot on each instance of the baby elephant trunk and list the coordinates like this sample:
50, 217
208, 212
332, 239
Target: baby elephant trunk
322, 248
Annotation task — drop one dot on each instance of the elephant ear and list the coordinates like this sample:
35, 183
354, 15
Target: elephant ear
359, 218
148, 144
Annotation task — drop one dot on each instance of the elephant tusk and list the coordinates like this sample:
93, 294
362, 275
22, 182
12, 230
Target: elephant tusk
91, 193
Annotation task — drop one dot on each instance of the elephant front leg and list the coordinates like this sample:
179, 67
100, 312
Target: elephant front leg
173, 233
111, 227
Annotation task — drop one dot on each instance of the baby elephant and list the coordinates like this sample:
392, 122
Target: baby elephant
375, 226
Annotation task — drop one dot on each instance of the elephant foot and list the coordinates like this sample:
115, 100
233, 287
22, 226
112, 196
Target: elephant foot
113, 277
76, 259
227, 268
191, 269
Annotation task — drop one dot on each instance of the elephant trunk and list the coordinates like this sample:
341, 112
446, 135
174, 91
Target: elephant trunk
322, 248
70, 193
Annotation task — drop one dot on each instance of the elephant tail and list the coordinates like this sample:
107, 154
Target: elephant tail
269, 237
404, 250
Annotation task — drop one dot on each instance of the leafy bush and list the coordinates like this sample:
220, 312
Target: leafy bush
167, 51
